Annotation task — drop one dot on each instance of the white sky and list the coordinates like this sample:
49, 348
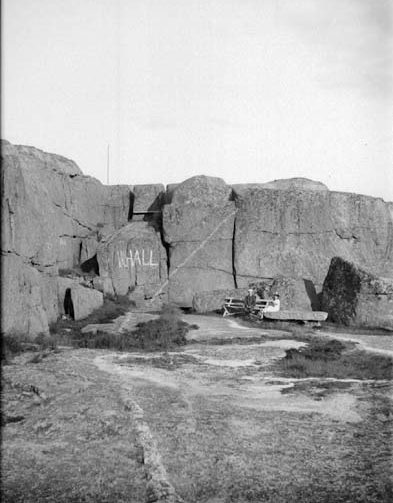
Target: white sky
248, 90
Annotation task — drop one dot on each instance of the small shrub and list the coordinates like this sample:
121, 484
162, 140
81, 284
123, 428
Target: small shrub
166, 332
11, 345
332, 359
45, 341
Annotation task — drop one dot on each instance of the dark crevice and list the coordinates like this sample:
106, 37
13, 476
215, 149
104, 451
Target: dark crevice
131, 206
233, 252
91, 266
68, 304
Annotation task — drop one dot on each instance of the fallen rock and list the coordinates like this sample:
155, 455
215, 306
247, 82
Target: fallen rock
353, 296
213, 300
85, 300
285, 315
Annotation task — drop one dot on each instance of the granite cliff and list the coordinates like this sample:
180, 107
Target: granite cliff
172, 243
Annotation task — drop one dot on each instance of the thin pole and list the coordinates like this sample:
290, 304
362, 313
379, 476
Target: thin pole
107, 166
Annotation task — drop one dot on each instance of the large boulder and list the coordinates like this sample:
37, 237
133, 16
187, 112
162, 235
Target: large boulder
52, 218
353, 296
133, 257
295, 233
198, 226
85, 300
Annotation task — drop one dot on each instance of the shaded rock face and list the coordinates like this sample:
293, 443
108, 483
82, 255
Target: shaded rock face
52, 218
353, 296
296, 233
131, 258
198, 228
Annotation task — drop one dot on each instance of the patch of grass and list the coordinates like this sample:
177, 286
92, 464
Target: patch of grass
166, 332
333, 359
11, 345
16, 344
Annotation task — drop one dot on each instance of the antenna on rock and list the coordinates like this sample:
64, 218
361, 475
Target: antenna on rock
107, 165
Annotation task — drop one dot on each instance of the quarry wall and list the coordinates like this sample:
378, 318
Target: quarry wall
170, 243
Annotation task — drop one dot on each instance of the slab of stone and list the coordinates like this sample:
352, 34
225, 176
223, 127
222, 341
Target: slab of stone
296, 315
85, 300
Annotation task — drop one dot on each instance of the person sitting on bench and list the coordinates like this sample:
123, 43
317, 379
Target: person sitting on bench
272, 305
250, 300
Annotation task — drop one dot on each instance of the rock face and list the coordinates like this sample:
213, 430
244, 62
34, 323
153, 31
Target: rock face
295, 233
198, 228
205, 236
29, 298
133, 257
353, 296
52, 218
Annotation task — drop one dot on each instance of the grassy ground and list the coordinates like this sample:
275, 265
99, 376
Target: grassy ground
66, 435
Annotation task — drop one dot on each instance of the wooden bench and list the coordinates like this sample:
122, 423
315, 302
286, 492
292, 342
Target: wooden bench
234, 306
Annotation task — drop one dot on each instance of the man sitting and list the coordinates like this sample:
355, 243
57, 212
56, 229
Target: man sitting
272, 305
250, 301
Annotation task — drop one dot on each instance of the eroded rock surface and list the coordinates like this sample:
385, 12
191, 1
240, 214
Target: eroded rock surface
353, 296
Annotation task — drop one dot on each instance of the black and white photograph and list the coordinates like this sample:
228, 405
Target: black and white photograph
196, 251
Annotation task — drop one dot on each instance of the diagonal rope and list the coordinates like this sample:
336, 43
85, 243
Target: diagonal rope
189, 257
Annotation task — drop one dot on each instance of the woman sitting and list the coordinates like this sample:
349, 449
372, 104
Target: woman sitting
273, 305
